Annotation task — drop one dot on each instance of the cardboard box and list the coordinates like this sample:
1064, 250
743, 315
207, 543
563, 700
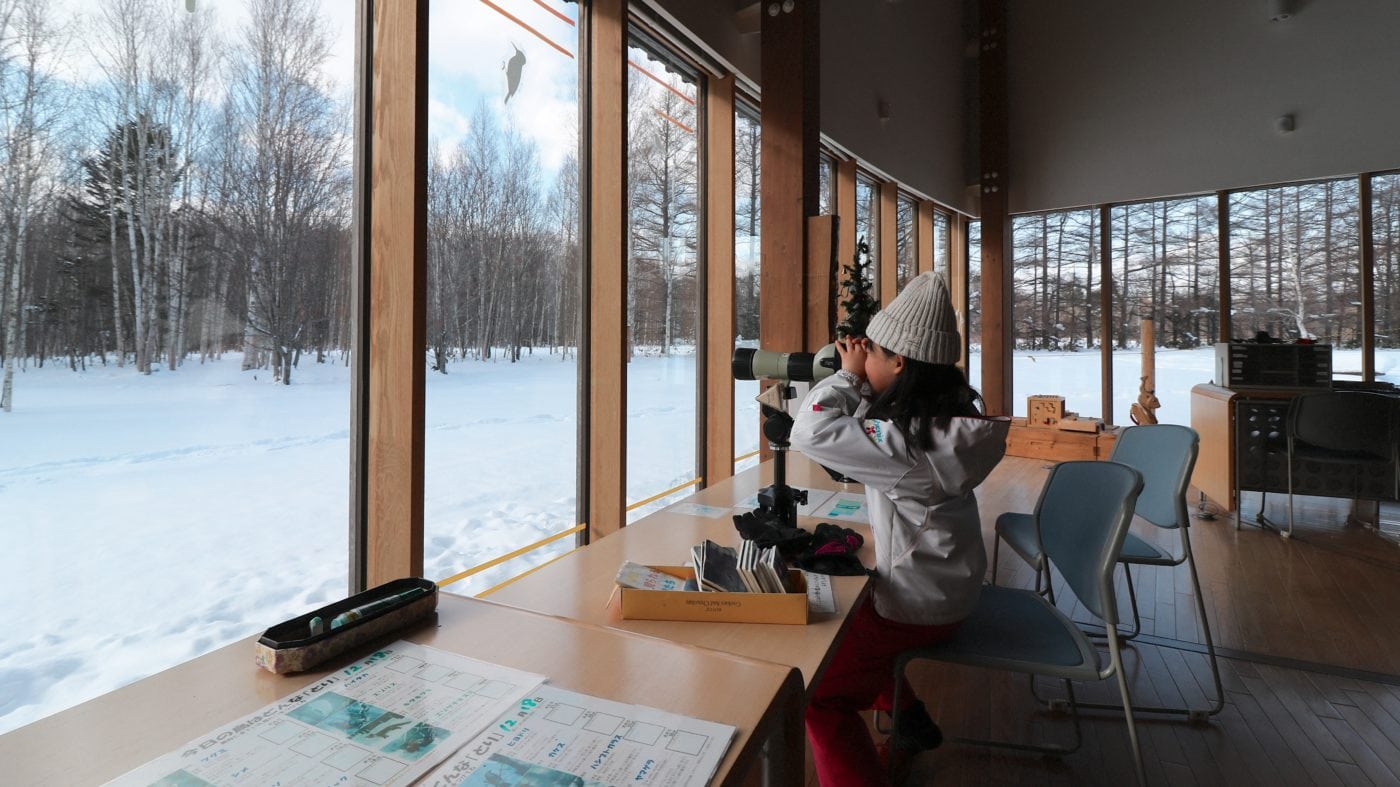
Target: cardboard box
697, 605
1044, 412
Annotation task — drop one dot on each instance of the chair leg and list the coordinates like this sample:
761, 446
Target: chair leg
1289, 532
1218, 704
996, 552
1116, 657
1132, 601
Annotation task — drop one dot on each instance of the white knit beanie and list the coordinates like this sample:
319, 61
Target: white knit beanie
919, 322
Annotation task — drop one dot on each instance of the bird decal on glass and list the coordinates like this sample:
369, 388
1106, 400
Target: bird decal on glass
513, 67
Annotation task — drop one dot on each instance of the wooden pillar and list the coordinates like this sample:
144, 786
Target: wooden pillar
605, 228
790, 48
718, 150
1368, 282
923, 237
1222, 223
397, 281
996, 224
889, 241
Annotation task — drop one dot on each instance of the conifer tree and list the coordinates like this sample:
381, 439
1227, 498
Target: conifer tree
857, 301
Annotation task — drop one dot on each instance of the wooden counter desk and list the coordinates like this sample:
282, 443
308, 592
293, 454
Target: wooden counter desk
580, 584
108, 736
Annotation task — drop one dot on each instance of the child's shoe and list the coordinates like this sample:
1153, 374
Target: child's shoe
916, 730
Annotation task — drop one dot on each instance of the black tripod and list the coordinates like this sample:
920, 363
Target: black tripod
778, 502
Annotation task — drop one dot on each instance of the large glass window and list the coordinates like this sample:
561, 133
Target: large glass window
1055, 309
746, 273
1166, 266
175, 323
906, 240
826, 185
1385, 224
868, 226
974, 304
1295, 267
942, 244
663, 300
503, 287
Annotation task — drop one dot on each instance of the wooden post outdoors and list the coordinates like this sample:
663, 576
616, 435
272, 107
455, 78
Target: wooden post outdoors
1144, 410
397, 293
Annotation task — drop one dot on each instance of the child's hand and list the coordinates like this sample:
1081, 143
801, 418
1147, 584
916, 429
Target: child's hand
853, 352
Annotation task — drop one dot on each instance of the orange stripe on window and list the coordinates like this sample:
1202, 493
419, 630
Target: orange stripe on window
682, 126
537, 34
553, 10
657, 79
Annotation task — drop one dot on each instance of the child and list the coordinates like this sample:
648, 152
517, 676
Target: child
920, 446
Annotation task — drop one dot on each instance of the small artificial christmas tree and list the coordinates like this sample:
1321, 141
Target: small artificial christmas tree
857, 301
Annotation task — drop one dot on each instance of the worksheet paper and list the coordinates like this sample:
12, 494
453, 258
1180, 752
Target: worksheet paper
385, 720
815, 499
559, 737
698, 509
844, 506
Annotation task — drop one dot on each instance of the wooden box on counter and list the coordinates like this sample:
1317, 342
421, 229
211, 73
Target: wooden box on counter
1057, 445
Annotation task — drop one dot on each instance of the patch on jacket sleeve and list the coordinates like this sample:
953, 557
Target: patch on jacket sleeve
875, 430
816, 408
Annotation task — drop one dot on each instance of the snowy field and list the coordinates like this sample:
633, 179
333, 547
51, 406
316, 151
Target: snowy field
147, 520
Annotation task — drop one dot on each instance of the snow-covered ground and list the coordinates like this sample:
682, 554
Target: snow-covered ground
147, 520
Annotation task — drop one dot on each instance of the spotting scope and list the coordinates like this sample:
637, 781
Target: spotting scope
752, 363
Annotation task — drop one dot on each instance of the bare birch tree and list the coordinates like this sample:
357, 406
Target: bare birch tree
29, 115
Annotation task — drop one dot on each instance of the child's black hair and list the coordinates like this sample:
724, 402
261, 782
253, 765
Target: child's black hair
926, 394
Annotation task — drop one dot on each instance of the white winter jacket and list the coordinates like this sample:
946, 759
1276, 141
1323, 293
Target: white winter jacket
929, 555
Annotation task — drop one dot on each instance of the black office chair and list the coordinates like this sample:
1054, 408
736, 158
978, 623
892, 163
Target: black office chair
1355, 431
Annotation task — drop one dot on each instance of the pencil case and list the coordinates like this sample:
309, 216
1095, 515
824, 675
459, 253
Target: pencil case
305, 641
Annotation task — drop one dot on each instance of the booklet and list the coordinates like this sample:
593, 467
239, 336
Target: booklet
387, 719
555, 736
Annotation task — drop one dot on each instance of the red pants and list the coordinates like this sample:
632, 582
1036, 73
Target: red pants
860, 677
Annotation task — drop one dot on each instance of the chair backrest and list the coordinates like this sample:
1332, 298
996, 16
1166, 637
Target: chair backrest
1083, 514
1359, 421
1165, 454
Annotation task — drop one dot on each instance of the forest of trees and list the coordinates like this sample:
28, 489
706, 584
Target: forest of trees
171, 190
189, 197
1295, 269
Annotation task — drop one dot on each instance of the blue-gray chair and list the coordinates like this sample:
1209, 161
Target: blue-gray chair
1165, 455
1084, 512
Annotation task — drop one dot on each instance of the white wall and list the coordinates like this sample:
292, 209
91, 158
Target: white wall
1117, 100
909, 53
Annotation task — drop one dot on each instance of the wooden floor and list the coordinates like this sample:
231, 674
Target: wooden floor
1310, 653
